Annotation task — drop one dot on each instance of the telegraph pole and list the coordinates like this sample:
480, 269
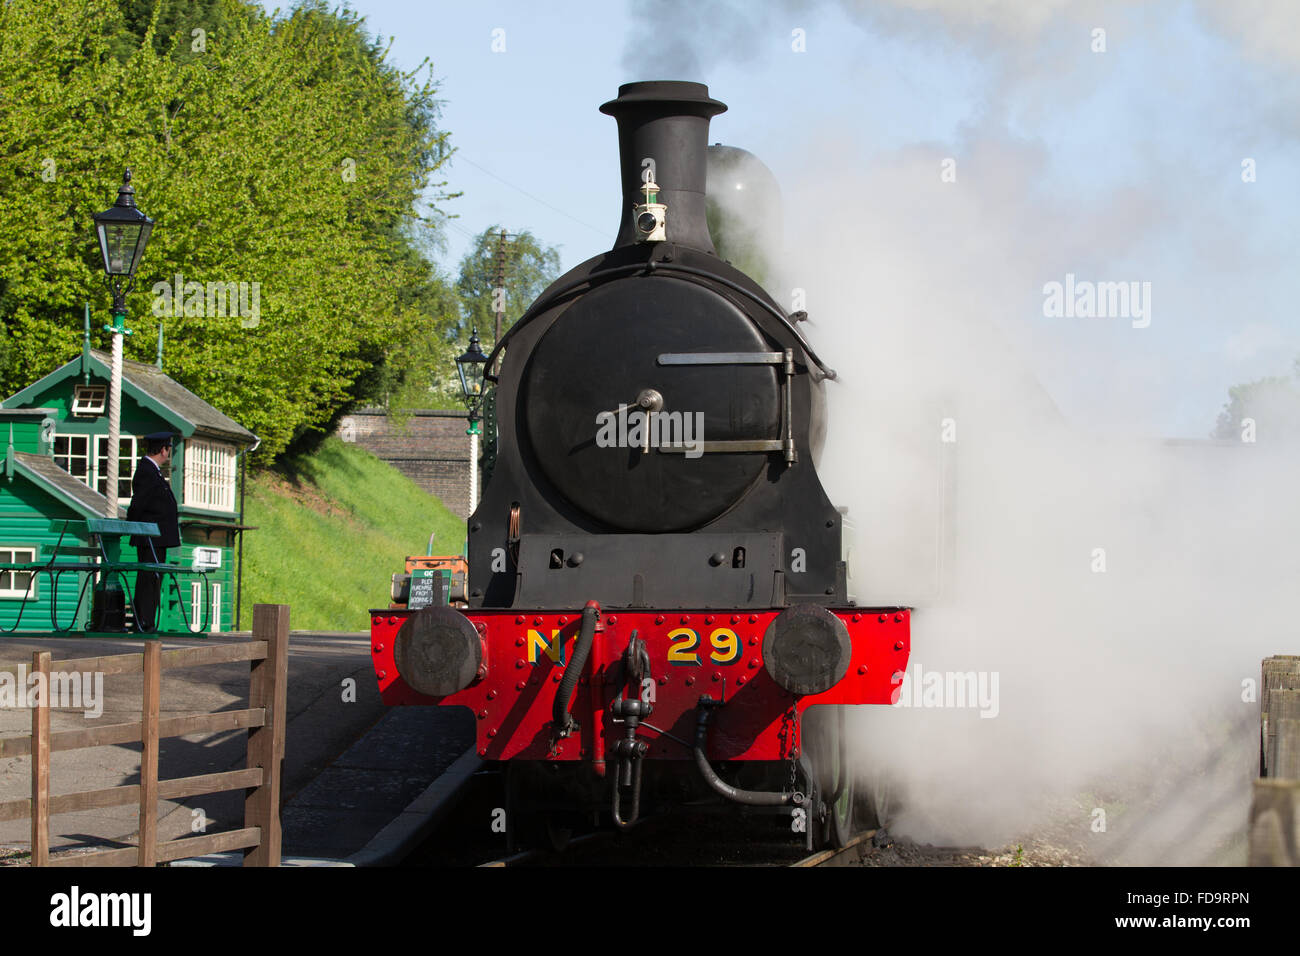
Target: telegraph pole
489, 403
499, 291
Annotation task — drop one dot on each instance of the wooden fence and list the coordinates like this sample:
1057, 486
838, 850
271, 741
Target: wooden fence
1275, 810
264, 718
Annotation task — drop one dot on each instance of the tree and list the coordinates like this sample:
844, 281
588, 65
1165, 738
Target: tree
179, 28
288, 157
529, 267
1271, 404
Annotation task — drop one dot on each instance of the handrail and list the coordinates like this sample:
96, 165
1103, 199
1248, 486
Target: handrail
106, 570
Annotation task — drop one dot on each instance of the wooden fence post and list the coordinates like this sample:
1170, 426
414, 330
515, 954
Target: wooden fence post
1275, 809
41, 761
1278, 673
267, 688
149, 754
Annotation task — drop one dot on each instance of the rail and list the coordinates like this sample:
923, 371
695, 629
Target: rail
95, 562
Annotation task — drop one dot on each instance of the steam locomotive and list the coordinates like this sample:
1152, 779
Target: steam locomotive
657, 594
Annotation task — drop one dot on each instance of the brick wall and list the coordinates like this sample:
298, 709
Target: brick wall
430, 447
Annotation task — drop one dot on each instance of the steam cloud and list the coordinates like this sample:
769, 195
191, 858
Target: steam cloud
1120, 689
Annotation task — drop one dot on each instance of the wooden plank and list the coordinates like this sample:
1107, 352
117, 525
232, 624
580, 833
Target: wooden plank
180, 787
108, 666
267, 684
177, 788
116, 526
1283, 704
131, 732
40, 743
126, 856
214, 654
1286, 749
149, 754
1280, 671
71, 802
211, 843
131, 663
168, 851
212, 723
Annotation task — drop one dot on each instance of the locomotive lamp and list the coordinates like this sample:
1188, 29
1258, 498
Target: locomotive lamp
123, 232
651, 215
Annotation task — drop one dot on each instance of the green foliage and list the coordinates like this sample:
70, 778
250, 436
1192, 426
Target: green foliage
1272, 403
287, 153
424, 374
331, 530
176, 26
528, 267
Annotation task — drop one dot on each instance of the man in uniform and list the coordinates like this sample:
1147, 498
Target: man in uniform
152, 501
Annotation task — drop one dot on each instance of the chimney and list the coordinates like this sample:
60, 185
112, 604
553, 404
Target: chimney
666, 122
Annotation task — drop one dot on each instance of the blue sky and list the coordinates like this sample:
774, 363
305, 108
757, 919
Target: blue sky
1133, 155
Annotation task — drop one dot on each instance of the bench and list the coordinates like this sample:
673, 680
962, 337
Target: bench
71, 559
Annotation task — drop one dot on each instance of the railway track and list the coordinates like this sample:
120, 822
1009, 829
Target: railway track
848, 855
706, 834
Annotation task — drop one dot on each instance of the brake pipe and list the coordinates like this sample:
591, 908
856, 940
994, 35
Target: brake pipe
753, 798
563, 720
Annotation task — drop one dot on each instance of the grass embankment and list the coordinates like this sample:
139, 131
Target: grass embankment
331, 530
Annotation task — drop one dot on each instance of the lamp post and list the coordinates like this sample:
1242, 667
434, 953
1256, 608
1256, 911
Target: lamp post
123, 232
471, 365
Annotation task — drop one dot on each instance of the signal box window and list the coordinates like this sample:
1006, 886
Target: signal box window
210, 475
72, 454
127, 458
89, 399
14, 584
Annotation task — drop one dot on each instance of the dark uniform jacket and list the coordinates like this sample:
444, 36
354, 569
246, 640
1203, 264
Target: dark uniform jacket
152, 500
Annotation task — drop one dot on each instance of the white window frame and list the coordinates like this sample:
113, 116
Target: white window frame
205, 558
85, 456
89, 400
209, 475
95, 457
215, 613
196, 606
9, 554
131, 460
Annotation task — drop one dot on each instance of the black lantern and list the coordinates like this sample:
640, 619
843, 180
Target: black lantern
470, 366
123, 234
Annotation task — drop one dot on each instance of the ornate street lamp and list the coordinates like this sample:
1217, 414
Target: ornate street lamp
123, 232
471, 366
